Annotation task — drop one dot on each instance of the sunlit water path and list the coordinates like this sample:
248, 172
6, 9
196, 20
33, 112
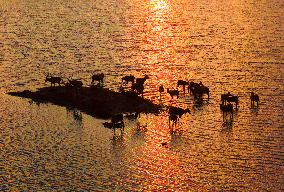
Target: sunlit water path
234, 46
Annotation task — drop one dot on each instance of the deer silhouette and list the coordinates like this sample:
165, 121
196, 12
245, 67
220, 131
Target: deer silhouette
161, 90
98, 77
138, 88
53, 80
227, 109
183, 84
75, 83
127, 79
198, 89
254, 98
173, 93
141, 81
175, 113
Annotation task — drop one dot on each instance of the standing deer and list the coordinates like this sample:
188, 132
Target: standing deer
138, 88
128, 78
161, 90
175, 113
141, 81
183, 84
115, 123
198, 90
173, 93
254, 98
227, 108
229, 98
53, 80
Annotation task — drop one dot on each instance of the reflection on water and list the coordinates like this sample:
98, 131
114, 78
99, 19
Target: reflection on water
234, 46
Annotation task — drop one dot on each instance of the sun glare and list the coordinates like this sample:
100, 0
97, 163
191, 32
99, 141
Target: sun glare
159, 4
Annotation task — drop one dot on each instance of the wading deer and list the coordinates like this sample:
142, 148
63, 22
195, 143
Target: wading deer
115, 123
173, 93
227, 109
175, 113
254, 98
198, 90
161, 90
117, 118
183, 84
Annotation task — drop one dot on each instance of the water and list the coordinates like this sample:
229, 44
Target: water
234, 46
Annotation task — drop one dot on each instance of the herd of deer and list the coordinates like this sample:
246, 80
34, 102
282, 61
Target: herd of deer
137, 86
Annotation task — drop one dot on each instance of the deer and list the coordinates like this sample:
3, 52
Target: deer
75, 83
141, 81
254, 98
138, 88
98, 77
227, 108
53, 80
128, 78
175, 113
178, 111
173, 93
183, 84
229, 98
161, 90
198, 89
117, 118
116, 122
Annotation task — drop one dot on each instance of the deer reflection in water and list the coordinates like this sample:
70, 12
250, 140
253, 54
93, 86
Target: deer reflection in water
76, 114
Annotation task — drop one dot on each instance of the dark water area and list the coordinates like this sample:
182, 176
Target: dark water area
234, 46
